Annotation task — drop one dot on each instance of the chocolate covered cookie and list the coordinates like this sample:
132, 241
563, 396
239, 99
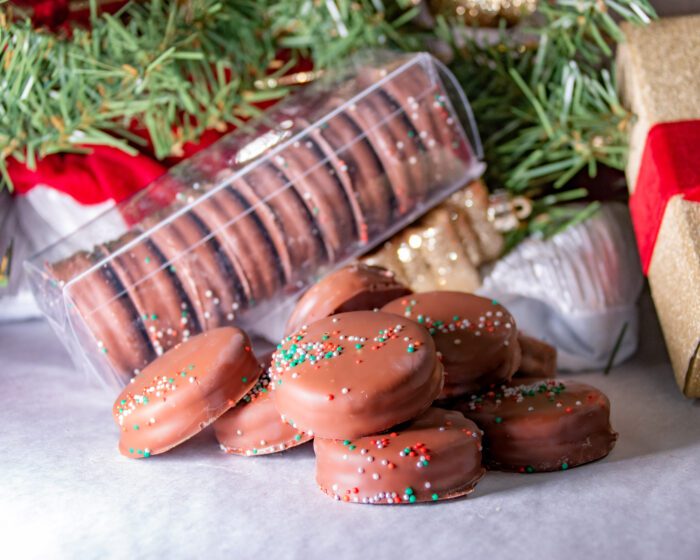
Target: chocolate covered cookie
255, 427
183, 391
542, 426
476, 337
539, 359
355, 287
436, 456
106, 310
211, 283
359, 170
163, 307
355, 374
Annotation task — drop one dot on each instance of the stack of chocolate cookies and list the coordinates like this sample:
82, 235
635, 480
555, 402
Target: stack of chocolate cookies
407, 403
325, 180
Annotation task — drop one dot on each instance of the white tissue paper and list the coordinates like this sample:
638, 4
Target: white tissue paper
577, 290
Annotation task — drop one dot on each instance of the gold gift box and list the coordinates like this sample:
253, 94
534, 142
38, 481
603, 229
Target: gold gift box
659, 79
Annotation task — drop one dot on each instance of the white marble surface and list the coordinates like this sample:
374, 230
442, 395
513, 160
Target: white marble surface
66, 492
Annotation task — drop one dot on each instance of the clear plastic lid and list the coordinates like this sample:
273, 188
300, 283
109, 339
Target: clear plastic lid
233, 234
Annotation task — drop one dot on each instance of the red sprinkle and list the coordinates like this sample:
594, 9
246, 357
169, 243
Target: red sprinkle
330, 397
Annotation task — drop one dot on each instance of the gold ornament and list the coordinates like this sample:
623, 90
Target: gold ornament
485, 13
444, 250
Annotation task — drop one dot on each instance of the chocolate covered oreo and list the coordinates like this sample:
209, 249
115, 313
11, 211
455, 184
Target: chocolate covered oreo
436, 456
356, 287
476, 337
183, 391
542, 426
355, 374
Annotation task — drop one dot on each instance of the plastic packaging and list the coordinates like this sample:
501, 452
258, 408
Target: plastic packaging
233, 234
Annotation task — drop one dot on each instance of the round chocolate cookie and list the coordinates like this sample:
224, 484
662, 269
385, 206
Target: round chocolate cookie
319, 188
388, 142
355, 287
207, 277
543, 426
254, 426
360, 172
183, 391
355, 374
156, 293
292, 227
476, 337
107, 312
234, 232
436, 456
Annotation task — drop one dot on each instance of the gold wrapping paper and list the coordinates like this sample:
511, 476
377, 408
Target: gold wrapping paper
443, 251
674, 277
659, 80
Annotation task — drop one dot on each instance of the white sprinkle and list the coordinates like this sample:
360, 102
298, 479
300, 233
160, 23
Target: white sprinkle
375, 476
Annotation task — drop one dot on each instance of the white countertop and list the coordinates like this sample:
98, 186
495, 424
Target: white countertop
66, 492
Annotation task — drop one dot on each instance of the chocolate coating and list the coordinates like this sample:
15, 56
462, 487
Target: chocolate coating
543, 426
355, 287
539, 359
436, 456
183, 391
107, 312
255, 427
476, 337
355, 374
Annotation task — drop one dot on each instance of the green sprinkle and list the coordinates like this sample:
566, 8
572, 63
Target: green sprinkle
564, 466
154, 317
499, 419
435, 497
131, 450
325, 337
352, 447
421, 319
244, 379
494, 302
346, 442
530, 469
171, 269
408, 491
139, 451
123, 401
147, 260
358, 346
455, 317
136, 426
191, 367
407, 450
425, 462
412, 499
297, 437
183, 374
411, 134
147, 454
411, 349
255, 451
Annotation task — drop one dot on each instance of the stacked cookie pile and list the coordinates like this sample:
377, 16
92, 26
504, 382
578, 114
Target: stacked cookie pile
239, 242
406, 396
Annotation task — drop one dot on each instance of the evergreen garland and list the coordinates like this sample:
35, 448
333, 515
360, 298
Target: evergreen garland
546, 105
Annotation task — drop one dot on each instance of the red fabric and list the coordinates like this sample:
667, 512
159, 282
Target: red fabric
106, 173
670, 166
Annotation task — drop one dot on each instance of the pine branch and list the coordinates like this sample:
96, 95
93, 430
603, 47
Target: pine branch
547, 109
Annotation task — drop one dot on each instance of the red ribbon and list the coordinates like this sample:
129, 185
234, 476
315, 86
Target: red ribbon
670, 166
